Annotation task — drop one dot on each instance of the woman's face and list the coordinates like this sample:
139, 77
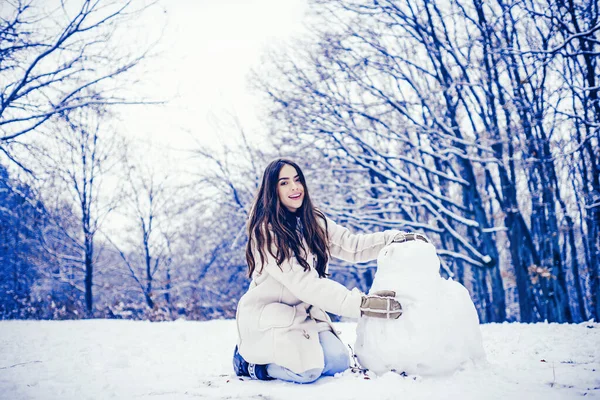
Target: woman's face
289, 188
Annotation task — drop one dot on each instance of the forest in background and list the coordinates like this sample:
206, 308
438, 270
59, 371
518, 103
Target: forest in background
474, 122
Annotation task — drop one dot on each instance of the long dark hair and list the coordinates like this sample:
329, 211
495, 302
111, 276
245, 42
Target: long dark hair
272, 226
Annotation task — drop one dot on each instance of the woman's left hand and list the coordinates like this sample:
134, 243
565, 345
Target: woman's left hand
381, 304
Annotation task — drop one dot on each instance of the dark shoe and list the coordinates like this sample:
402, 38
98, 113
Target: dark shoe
244, 368
240, 366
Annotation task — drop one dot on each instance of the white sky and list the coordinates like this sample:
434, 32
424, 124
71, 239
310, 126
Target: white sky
205, 55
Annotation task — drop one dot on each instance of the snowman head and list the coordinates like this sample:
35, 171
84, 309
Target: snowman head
409, 260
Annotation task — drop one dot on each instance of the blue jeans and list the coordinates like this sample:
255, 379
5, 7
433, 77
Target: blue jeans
336, 360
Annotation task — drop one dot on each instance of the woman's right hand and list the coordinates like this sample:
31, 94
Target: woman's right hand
380, 304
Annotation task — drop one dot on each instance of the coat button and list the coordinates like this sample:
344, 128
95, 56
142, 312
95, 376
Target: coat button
306, 335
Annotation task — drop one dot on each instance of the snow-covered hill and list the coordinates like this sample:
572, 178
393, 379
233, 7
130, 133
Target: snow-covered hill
112, 359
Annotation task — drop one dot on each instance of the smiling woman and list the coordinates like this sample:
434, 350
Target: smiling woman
284, 331
290, 189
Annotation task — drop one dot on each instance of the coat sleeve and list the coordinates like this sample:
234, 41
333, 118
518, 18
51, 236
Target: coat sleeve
356, 247
323, 293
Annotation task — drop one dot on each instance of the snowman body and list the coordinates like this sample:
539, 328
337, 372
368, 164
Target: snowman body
439, 329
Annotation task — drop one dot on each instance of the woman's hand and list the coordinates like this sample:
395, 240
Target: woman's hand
380, 304
402, 237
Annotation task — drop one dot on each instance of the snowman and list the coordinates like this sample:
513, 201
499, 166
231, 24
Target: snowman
438, 331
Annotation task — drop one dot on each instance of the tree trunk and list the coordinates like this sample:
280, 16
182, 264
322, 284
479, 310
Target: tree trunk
148, 291
591, 103
168, 286
89, 273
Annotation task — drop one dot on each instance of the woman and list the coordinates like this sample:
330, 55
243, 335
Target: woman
284, 331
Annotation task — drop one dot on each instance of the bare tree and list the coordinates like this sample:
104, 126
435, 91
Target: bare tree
226, 182
78, 161
61, 56
151, 205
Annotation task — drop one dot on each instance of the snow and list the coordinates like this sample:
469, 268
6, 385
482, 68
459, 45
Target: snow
118, 359
438, 331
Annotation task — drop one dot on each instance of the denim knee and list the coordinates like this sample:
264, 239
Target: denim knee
284, 374
309, 376
336, 355
337, 363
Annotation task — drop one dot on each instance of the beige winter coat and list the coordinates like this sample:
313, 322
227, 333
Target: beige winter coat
283, 311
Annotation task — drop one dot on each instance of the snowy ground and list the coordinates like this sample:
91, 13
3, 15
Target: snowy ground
111, 359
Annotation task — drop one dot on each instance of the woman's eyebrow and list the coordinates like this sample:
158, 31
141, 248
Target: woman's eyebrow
286, 177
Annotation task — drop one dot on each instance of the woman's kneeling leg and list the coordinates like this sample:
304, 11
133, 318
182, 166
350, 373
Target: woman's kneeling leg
336, 360
279, 372
336, 354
